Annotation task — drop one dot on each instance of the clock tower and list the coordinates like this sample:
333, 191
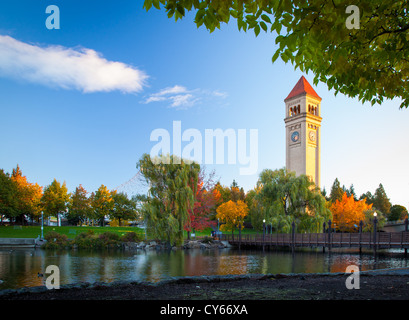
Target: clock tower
303, 133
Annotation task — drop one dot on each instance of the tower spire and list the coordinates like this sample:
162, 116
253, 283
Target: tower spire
302, 87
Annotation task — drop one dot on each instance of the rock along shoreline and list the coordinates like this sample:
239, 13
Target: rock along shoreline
388, 284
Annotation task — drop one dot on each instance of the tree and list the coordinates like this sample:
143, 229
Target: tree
286, 197
360, 50
397, 212
351, 192
123, 208
381, 201
347, 213
102, 204
206, 199
28, 196
79, 207
173, 185
336, 191
368, 197
232, 214
256, 213
8, 196
55, 199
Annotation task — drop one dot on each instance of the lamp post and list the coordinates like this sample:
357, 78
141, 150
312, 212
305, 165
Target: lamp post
375, 221
42, 225
264, 231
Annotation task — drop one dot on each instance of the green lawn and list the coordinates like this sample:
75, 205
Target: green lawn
72, 232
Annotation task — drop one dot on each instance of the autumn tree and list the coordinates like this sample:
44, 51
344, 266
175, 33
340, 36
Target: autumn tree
173, 185
102, 203
28, 196
232, 214
347, 213
79, 207
360, 51
206, 199
55, 199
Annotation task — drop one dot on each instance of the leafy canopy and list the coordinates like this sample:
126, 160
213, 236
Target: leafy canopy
370, 62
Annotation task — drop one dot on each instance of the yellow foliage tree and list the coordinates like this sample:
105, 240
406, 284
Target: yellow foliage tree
347, 213
232, 214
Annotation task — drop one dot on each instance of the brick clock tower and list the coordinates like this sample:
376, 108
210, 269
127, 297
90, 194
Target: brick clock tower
303, 134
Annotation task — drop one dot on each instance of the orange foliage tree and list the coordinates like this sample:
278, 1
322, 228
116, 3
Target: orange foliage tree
347, 213
232, 214
28, 196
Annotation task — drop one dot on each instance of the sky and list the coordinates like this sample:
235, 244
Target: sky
79, 103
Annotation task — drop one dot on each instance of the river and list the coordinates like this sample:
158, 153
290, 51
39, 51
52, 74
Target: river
20, 267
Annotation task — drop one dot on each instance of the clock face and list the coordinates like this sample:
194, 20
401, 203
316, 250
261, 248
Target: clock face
312, 135
295, 136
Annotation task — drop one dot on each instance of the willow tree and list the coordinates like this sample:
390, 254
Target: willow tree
288, 198
172, 188
357, 48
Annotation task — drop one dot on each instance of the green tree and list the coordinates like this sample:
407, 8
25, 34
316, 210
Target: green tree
173, 186
79, 207
286, 197
351, 192
123, 208
55, 199
256, 214
361, 53
381, 201
398, 212
102, 203
336, 191
368, 196
8, 196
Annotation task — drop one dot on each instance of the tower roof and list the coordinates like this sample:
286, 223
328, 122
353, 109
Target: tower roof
302, 87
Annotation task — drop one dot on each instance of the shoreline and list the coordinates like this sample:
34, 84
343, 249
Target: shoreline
382, 284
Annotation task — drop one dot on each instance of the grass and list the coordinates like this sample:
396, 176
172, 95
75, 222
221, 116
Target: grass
72, 231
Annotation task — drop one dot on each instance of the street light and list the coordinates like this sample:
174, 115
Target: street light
42, 225
375, 221
264, 229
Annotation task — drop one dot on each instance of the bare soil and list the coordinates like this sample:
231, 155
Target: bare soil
262, 287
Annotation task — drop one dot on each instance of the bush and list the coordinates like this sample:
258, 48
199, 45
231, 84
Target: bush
56, 240
207, 239
131, 237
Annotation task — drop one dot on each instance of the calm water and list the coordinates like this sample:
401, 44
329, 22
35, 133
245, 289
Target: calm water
19, 268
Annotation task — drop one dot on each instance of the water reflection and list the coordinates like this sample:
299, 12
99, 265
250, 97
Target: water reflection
19, 268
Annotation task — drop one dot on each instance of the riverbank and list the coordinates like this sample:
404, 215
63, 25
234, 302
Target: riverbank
389, 284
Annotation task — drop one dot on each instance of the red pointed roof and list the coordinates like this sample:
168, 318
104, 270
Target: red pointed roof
302, 87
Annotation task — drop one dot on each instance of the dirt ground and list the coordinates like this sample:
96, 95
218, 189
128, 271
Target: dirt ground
267, 287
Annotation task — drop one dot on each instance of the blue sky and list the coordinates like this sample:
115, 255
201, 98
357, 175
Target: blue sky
90, 122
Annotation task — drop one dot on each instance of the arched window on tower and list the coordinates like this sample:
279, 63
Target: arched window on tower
290, 112
298, 109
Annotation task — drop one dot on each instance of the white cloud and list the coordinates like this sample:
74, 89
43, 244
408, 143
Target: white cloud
180, 97
83, 69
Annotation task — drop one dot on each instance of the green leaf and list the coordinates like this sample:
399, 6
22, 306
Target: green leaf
266, 18
257, 30
263, 26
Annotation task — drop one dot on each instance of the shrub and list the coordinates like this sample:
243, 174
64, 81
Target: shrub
207, 239
56, 240
131, 237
